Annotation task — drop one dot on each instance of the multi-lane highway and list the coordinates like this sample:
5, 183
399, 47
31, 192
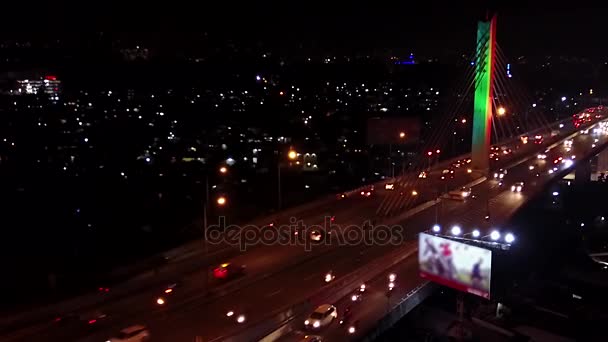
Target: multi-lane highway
535, 173
278, 276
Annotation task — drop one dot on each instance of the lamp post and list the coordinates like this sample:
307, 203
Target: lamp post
291, 155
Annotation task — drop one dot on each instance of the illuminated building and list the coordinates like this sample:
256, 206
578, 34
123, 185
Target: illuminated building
49, 85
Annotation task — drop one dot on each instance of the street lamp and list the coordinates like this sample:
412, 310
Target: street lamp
402, 135
223, 170
476, 233
291, 155
221, 200
456, 230
501, 111
495, 235
509, 238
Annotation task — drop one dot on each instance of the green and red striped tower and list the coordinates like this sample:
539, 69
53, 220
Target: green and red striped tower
482, 111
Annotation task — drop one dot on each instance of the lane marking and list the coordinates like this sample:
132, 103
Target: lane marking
273, 293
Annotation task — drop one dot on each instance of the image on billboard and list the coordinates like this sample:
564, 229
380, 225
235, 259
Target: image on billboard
455, 264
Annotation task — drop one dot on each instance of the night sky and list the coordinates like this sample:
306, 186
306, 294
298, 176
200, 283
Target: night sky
329, 25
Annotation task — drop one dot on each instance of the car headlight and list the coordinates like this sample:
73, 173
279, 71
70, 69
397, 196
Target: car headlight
496, 175
519, 189
501, 175
306, 322
316, 324
465, 194
513, 188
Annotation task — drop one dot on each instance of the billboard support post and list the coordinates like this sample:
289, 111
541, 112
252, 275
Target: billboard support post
460, 310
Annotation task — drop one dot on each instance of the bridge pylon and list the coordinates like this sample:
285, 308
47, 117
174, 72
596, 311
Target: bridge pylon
484, 92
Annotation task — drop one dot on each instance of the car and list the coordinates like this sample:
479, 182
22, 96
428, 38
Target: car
517, 187
321, 317
367, 192
135, 333
91, 318
389, 186
311, 338
460, 194
500, 174
542, 156
447, 173
422, 174
228, 271
316, 235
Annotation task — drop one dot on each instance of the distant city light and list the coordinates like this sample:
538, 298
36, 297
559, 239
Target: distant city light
258, 78
402, 135
501, 111
534, 105
230, 161
563, 98
555, 193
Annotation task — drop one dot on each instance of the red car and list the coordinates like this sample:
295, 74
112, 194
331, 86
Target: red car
228, 271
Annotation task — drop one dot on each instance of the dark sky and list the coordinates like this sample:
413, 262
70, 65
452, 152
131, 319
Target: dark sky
420, 25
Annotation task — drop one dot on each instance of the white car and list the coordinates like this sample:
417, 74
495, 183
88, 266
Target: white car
517, 187
500, 174
321, 317
315, 235
462, 193
135, 333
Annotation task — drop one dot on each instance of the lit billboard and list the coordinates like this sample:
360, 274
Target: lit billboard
454, 264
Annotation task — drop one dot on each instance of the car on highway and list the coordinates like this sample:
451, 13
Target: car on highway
542, 156
460, 194
321, 317
500, 174
316, 235
517, 187
228, 271
538, 139
91, 318
311, 338
447, 173
135, 333
367, 192
389, 186
423, 174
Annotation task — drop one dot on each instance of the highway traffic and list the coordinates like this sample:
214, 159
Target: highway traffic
279, 276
